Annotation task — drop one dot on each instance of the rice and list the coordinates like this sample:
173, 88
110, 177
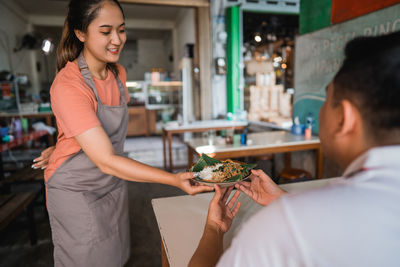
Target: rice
207, 172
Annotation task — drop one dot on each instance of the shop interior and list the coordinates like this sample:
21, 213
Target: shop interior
187, 98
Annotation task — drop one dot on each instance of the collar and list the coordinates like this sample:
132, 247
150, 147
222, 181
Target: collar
377, 157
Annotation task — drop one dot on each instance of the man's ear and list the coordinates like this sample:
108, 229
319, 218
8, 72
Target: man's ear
349, 118
80, 35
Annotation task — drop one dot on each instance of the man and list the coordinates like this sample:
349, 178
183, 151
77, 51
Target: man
355, 221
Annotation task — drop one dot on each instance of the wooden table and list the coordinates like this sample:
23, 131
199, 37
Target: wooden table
258, 144
48, 116
181, 221
198, 126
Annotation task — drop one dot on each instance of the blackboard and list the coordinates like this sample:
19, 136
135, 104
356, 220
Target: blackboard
319, 55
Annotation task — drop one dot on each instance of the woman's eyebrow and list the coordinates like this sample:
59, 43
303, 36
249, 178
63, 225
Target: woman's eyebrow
110, 26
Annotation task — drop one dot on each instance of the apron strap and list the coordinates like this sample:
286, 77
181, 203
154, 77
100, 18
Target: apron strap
87, 77
121, 89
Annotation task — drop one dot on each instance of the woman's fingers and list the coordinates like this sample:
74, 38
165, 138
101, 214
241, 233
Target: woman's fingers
200, 188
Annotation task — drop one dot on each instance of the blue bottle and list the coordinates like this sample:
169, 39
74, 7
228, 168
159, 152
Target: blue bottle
309, 120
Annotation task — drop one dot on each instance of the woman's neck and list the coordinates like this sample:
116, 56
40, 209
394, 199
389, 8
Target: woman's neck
97, 68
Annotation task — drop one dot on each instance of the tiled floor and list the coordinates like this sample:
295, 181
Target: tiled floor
15, 249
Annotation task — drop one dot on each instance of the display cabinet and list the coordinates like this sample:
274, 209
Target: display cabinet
163, 95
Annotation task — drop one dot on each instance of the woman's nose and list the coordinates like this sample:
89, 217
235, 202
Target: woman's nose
116, 38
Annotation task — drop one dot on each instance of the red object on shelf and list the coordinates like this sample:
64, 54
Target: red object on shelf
24, 138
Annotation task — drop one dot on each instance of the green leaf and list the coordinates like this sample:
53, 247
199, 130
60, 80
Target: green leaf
204, 161
209, 161
249, 166
199, 166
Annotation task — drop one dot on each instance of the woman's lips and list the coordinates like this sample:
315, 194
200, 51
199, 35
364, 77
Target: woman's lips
114, 51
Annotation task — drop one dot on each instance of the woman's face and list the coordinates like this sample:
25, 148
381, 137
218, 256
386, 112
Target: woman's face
105, 36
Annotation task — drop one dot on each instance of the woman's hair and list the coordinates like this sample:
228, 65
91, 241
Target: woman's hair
80, 14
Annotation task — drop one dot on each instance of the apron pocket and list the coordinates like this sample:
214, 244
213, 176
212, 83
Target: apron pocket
69, 217
105, 212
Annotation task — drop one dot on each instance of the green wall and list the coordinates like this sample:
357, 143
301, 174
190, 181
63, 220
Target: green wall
314, 15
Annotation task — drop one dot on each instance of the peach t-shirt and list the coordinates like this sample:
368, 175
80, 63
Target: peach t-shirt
74, 105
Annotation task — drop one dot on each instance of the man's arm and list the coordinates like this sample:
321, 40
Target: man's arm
219, 219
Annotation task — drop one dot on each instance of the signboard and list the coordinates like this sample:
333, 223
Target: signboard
343, 10
319, 56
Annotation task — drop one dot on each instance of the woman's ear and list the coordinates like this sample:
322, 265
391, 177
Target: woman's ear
349, 118
80, 35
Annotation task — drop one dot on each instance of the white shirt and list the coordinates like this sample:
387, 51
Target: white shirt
354, 221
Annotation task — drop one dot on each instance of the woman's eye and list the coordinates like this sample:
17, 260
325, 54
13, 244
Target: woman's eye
122, 31
105, 33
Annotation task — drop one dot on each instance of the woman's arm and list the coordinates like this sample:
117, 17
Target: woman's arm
97, 146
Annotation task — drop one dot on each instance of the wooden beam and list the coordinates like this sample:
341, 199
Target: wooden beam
203, 43
180, 3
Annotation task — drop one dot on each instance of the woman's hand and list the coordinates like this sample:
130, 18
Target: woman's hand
261, 188
221, 212
43, 160
186, 184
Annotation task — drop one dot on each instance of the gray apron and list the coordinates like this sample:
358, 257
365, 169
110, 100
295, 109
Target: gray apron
88, 209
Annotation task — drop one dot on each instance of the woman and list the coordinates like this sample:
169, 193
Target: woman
86, 191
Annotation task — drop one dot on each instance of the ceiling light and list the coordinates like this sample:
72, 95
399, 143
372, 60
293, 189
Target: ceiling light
47, 46
257, 37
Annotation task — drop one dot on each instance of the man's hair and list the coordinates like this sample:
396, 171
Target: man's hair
370, 79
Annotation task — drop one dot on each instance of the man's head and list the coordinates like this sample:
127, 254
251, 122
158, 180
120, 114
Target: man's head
362, 108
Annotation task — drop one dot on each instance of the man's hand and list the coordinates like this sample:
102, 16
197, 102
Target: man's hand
221, 212
43, 160
219, 219
261, 188
184, 182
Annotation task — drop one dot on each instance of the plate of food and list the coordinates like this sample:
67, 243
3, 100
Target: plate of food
210, 171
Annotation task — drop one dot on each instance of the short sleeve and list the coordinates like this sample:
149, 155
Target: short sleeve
73, 107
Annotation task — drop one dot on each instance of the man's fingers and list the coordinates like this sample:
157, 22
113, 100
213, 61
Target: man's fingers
245, 183
232, 201
227, 192
217, 195
236, 209
262, 175
245, 189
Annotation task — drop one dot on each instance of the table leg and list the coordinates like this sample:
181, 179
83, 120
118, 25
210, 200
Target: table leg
164, 258
164, 152
169, 136
288, 160
320, 163
190, 157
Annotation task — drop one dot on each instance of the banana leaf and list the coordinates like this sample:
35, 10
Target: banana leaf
203, 162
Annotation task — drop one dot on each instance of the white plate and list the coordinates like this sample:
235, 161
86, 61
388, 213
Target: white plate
221, 184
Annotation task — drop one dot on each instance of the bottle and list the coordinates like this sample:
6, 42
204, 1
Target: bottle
243, 137
309, 120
